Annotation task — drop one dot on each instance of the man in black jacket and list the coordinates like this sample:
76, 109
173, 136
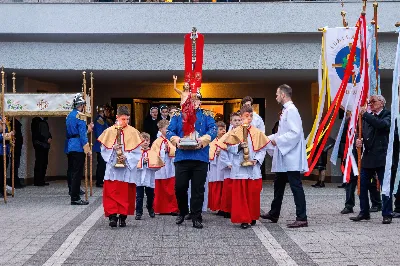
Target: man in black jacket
375, 140
41, 139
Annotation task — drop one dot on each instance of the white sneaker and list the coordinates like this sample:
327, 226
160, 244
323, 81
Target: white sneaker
9, 189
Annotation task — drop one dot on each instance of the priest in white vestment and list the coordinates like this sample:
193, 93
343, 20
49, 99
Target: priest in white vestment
289, 161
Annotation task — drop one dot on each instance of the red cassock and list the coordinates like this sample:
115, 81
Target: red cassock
119, 197
226, 199
246, 200
215, 195
164, 198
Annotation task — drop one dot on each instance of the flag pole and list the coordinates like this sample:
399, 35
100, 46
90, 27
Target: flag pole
375, 5
13, 146
360, 128
91, 133
86, 156
4, 135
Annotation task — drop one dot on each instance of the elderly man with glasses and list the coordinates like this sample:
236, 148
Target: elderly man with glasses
375, 139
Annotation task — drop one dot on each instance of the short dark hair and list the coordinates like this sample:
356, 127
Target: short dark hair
246, 108
123, 110
234, 114
221, 124
163, 106
172, 107
286, 89
247, 99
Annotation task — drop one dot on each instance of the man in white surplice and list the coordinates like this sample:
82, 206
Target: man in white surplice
289, 160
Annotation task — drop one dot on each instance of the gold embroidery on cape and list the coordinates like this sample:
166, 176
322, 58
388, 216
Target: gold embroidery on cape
155, 161
235, 136
131, 137
156, 146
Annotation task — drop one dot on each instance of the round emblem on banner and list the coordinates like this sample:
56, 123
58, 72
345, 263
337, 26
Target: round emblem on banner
198, 76
341, 60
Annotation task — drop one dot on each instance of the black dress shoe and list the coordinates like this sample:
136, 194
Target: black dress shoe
253, 222
220, 213
244, 226
360, 218
387, 220
174, 214
269, 217
346, 211
188, 217
41, 184
151, 213
227, 215
316, 185
138, 216
375, 209
19, 186
179, 219
298, 224
343, 185
79, 202
122, 220
113, 220
81, 192
197, 224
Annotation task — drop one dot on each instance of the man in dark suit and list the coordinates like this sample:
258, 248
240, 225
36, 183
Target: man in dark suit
375, 140
41, 139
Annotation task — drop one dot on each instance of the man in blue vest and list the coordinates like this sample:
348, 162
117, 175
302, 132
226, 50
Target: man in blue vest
77, 147
100, 125
192, 165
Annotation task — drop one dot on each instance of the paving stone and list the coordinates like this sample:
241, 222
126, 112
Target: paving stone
330, 239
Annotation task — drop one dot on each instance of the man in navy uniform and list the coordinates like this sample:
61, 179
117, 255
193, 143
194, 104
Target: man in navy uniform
100, 125
77, 147
192, 165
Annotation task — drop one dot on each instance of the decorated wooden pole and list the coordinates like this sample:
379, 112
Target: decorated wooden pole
4, 136
13, 146
86, 157
91, 133
375, 5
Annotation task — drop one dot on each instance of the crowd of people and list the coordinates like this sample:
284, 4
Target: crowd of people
222, 173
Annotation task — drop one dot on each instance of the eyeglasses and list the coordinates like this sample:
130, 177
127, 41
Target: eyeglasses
372, 102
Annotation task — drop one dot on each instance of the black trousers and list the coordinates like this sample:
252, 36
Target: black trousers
69, 172
139, 198
196, 172
294, 179
101, 169
17, 163
2, 172
41, 161
374, 194
76, 161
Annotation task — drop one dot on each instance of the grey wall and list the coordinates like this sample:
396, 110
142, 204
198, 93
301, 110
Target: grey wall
273, 17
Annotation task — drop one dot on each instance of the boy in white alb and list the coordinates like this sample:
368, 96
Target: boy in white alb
165, 199
215, 173
226, 166
147, 166
246, 173
119, 189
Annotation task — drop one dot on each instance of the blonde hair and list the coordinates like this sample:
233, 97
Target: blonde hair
145, 136
162, 123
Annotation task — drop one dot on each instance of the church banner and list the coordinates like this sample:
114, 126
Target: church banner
337, 49
41, 104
